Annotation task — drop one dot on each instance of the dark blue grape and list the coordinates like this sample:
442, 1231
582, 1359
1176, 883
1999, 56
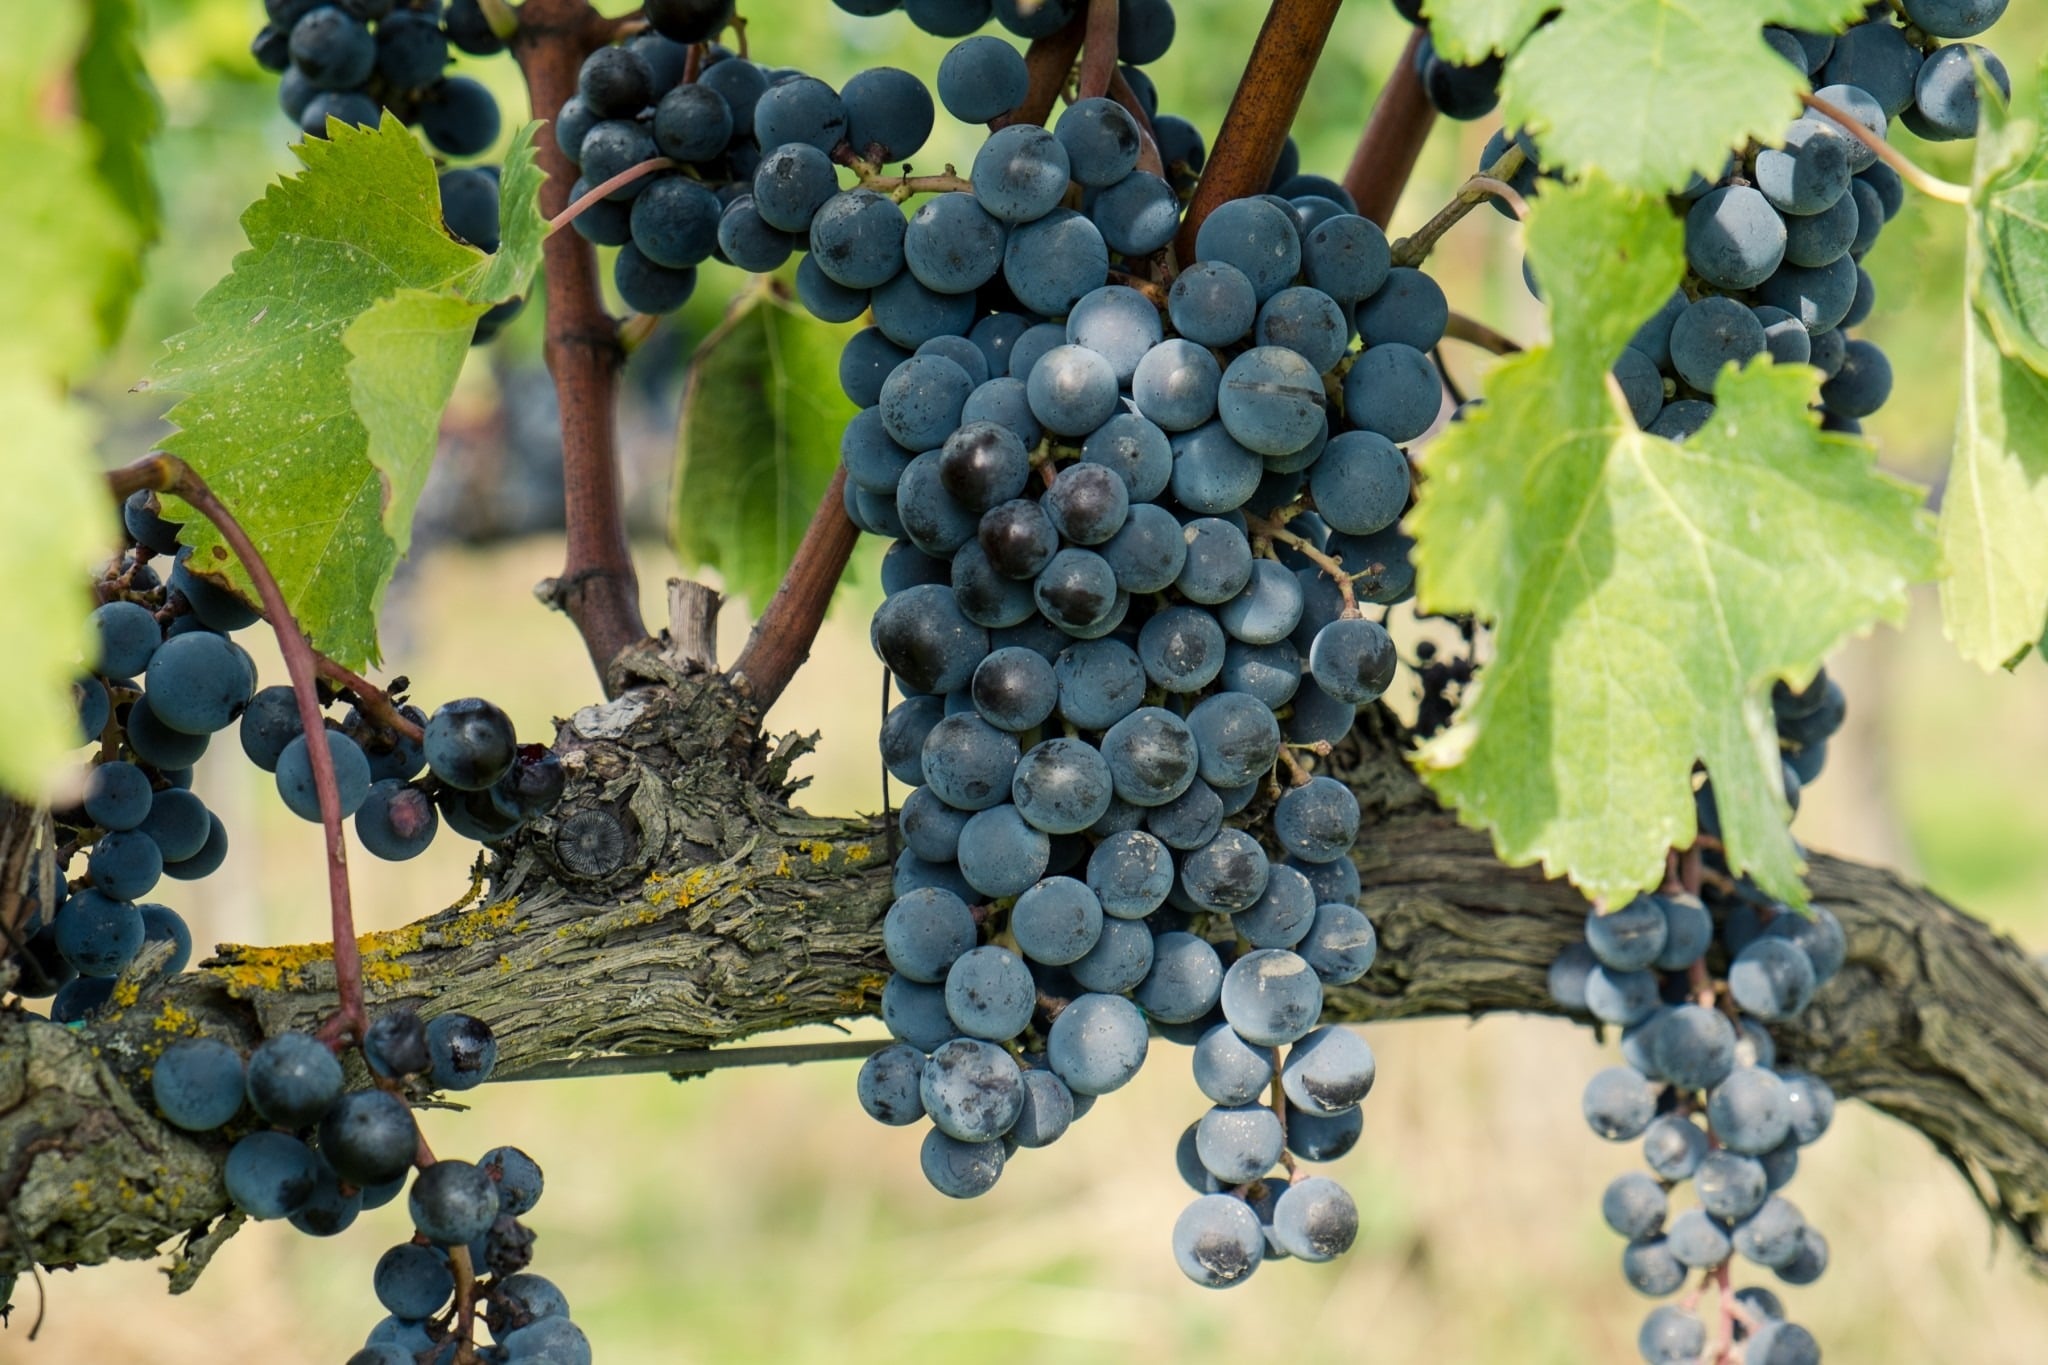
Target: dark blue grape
396, 821
197, 681
208, 859
124, 865
925, 932
295, 784
197, 1083
270, 1174
1051, 262
469, 743
1097, 1043
802, 111
460, 117
1257, 238
293, 1079
989, 994
1393, 389
117, 796
888, 1085
452, 1203
96, 934
463, 1051
982, 78
413, 1281
1021, 173
127, 635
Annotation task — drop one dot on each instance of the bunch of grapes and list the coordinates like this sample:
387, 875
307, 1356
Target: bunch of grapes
308, 1150
1139, 519
167, 676
352, 59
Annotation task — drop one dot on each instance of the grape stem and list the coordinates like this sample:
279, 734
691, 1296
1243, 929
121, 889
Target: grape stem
1929, 184
1049, 60
1098, 49
782, 638
1268, 96
163, 473
901, 187
1392, 141
1489, 183
1473, 332
598, 587
1331, 567
1725, 1299
371, 699
597, 193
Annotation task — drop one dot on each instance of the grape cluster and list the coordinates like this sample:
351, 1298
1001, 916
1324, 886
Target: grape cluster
353, 59
316, 1154
1694, 984
1774, 246
167, 677
1133, 531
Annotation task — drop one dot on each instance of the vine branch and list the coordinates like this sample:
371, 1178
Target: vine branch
1268, 96
782, 638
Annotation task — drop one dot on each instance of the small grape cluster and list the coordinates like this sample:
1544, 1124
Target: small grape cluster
1693, 984
1774, 246
1123, 606
353, 59
167, 676
308, 1150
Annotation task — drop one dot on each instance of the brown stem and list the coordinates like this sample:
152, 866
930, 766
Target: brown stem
1476, 333
1268, 96
1474, 192
597, 193
782, 637
1392, 142
1050, 60
598, 587
371, 699
1098, 49
1929, 184
168, 474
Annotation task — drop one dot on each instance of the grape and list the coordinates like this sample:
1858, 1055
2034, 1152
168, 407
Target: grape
1181, 649
1360, 484
1811, 1104
460, 117
1619, 1104
1328, 1071
1782, 1343
161, 924
932, 519
1681, 419
1674, 1147
1408, 309
1117, 323
270, 1174
1097, 1043
1257, 238
1184, 983
1149, 552
972, 1090
1237, 739
1283, 915
1190, 820
968, 763
689, 21
469, 206
1628, 939
413, 1281
952, 245
197, 1083
749, 241
1212, 472
1212, 303
351, 776
1120, 959
216, 606
1101, 140
1809, 1263
1734, 239
1087, 503
1239, 1143
615, 82
1229, 1070
128, 636
462, 1050
1034, 18
1130, 873
77, 999
1077, 591
1217, 1241
552, 1341
925, 932
960, 1170
1271, 673
1650, 1268
332, 50
981, 78
1271, 400
96, 934
1748, 1111
1014, 689
873, 460
1175, 385
1819, 238
293, 1079
1730, 1187
888, 113
793, 182
1021, 173
140, 515
1138, 215
197, 682
930, 827
989, 994
1072, 389
1862, 384
1051, 263
925, 641
1346, 257
125, 864
1003, 401
452, 1202
469, 744
889, 1085
1642, 385
396, 1044
1634, 1206
117, 796
1772, 978
1057, 921
916, 1013
1269, 607
1340, 944
1696, 1240
208, 859
1694, 1047
1394, 390
693, 123
1671, 1336
1623, 998
1353, 660
1784, 337
674, 226
1875, 57
1047, 1112
1953, 19
1713, 333
1219, 562
1061, 786
1100, 682
1018, 540
1861, 106
1271, 996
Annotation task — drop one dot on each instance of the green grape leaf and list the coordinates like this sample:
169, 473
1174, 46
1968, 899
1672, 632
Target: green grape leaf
119, 105
318, 369
1465, 31
758, 442
1644, 595
55, 519
1651, 91
1994, 511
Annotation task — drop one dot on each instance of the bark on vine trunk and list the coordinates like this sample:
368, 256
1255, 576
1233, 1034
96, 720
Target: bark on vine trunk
677, 899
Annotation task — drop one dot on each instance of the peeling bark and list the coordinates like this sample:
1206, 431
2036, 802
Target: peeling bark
676, 899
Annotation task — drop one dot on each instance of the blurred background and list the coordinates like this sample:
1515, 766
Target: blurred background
758, 1216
